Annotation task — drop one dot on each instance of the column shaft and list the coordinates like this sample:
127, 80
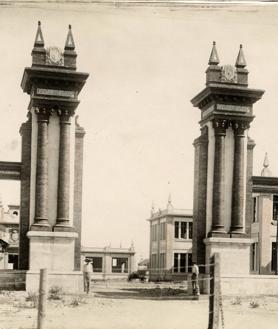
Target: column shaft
64, 173
238, 180
41, 198
218, 226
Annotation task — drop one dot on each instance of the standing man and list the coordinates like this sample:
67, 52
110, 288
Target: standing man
87, 274
194, 279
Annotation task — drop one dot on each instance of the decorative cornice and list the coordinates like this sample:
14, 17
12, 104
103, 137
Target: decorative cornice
228, 94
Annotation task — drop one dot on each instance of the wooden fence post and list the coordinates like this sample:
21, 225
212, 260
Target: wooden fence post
42, 299
214, 292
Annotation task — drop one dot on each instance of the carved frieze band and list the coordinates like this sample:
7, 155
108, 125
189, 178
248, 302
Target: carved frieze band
44, 113
239, 127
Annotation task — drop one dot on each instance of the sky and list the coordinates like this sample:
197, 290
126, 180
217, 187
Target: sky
145, 64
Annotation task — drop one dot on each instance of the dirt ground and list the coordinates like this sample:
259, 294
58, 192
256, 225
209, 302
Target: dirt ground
122, 305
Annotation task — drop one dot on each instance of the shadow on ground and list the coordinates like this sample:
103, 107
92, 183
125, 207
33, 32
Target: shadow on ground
146, 294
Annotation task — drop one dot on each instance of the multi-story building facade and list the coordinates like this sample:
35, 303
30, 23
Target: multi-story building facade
110, 263
264, 223
9, 236
170, 243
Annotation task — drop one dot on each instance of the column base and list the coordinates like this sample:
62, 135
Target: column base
237, 232
63, 226
218, 234
40, 226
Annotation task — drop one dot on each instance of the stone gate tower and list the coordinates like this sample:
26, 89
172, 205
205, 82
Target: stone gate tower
51, 166
223, 165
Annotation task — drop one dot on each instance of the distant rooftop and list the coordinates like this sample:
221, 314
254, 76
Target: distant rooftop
172, 212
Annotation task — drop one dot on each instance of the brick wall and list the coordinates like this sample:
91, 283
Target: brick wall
24, 224
77, 205
200, 197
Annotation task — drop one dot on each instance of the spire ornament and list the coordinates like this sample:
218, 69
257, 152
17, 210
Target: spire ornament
39, 41
214, 59
266, 172
70, 45
240, 61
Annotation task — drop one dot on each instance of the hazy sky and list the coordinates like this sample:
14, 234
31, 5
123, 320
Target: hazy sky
145, 65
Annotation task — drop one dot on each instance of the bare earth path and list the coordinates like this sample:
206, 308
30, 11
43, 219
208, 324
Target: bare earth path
134, 306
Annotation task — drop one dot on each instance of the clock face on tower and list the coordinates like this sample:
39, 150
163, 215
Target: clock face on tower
54, 56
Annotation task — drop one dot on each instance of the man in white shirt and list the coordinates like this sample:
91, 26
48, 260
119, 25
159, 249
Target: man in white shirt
194, 279
87, 274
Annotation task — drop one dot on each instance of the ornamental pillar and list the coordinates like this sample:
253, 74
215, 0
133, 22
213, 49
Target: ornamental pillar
41, 200
64, 172
237, 223
219, 178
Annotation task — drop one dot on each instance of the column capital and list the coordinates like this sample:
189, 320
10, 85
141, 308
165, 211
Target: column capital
65, 116
220, 126
43, 114
239, 127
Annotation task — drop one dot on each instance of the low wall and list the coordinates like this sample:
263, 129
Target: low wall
109, 276
251, 285
70, 282
12, 280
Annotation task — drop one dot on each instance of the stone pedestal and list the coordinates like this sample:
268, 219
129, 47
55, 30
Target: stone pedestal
234, 254
54, 251
51, 250
69, 282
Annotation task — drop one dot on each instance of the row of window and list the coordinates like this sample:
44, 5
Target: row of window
183, 230
158, 231
119, 264
182, 262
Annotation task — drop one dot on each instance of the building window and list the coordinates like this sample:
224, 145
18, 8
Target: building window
176, 262
183, 230
162, 261
119, 265
154, 232
275, 207
254, 257
97, 264
162, 231
255, 218
177, 224
273, 257
182, 262
154, 263
190, 230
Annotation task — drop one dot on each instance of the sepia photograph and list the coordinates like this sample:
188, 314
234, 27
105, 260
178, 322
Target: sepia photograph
138, 164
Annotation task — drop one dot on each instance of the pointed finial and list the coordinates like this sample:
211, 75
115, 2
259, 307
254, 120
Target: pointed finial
152, 209
39, 41
169, 199
266, 171
213, 59
132, 245
169, 204
70, 45
240, 61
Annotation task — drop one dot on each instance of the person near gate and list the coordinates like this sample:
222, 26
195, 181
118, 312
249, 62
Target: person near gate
195, 279
87, 274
